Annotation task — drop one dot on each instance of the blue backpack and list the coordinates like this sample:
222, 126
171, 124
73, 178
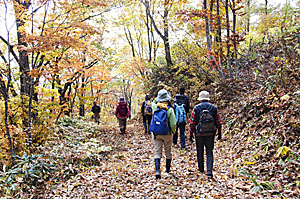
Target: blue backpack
180, 113
160, 123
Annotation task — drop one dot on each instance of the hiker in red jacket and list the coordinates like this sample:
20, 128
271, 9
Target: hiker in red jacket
122, 112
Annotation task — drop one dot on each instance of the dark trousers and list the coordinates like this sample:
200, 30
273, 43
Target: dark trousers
146, 121
122, 125
181, 127
208, 143
97, 117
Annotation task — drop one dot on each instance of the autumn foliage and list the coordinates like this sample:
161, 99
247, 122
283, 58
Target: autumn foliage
58, 57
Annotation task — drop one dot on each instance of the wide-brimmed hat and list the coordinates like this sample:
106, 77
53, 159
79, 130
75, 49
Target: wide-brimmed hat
203, 95
163, 96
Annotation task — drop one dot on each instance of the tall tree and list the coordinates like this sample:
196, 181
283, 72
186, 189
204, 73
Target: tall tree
207, 27
164, 35
235, 36
5, 86
228, 38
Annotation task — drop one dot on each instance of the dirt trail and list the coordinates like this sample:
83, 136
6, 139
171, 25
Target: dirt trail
129, 173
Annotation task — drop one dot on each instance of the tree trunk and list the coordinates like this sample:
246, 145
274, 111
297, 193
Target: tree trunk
165, 36
219, 40
235, 38
29, 123
6, 98
129, 40
266, 7
228, 39
149, 39
23, 56
248, 17
207, 31
211, 28
81, 109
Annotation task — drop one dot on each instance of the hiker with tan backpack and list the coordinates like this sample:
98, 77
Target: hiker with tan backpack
146, 110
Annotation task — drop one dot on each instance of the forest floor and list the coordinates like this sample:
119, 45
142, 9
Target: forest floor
127, 171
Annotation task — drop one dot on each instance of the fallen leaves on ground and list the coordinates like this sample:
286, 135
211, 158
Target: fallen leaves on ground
128, 172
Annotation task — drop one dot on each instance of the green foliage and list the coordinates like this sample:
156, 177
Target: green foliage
258, 186
29, 172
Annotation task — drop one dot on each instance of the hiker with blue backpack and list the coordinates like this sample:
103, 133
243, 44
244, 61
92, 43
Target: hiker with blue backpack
163, 125
204, 123
182, 107
122, 112
146, 110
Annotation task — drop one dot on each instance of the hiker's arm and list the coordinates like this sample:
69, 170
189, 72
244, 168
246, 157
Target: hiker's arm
187, 105
193, 122
218, 124
116, 111
154, 106
172, 120
128, 112
143, 107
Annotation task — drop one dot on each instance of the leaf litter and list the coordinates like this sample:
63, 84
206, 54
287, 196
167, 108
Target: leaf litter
127, 171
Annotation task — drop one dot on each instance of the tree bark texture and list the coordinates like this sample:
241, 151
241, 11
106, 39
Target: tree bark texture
235, 38
228, 39
23, 56
207, 31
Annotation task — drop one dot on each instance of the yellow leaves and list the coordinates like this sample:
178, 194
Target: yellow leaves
249, 138
282, 151
247, 162
46, 92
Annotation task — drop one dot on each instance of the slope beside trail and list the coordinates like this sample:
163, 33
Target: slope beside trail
128, 172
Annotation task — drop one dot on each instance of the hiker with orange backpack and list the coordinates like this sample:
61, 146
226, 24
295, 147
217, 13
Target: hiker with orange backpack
122, 112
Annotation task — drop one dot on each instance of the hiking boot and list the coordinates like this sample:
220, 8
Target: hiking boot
157, 168
209, 173
168, 165
122, 131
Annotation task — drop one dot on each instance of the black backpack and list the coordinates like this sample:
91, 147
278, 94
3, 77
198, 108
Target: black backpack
206, 122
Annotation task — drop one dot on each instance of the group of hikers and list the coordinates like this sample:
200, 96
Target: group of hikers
163, 119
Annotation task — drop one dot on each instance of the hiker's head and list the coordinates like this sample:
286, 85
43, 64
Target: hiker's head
95, 102
163, 96
121, 99
203, 96
182, 90
147, 97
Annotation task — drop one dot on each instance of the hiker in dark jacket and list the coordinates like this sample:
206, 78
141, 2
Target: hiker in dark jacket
122, 112
96, 110
146, 110
159, 141
204, 139
179, 100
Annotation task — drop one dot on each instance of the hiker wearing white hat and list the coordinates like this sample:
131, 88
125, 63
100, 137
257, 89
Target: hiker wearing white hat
205, 121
